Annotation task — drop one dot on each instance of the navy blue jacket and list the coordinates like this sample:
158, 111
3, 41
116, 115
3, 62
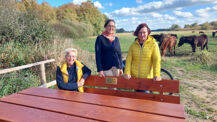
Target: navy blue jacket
107, 54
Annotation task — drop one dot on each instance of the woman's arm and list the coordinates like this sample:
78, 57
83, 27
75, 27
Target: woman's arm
127, 69
62, 85
98, 54
156, 59
119, 53
86, 72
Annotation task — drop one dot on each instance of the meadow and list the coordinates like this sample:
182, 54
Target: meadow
197, 72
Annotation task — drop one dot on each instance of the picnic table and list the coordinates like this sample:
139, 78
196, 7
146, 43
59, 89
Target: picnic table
44, 105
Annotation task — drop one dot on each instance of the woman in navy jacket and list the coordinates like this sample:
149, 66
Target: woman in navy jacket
108, 52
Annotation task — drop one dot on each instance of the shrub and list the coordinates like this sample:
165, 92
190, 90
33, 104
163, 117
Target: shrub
74, 30
22, 26
16, 81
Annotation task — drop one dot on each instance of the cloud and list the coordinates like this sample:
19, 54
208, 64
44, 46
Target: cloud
183, 14
78, 2
123, 12
139, 1
98, 4
206, 12
157, 6
110, 4
156, 15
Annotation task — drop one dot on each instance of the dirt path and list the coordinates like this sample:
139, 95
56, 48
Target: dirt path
198, 94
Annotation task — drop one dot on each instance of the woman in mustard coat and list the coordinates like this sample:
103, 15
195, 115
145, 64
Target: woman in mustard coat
143, 59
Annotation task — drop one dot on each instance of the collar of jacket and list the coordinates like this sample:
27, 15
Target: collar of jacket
150, 38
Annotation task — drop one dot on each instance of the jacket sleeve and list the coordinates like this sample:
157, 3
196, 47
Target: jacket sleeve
119, 53
98, 54
127, 70
156, 59
62, 85
86, 72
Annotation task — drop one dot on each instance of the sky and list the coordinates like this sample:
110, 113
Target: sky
158, 14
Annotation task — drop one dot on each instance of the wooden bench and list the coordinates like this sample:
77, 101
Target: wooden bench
118, 86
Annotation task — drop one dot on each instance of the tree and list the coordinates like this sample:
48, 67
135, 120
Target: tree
175, 27
121, 30
91, 15
205, 26
67, 12
214, 24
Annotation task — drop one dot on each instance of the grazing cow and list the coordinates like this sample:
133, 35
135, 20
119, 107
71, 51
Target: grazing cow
201, 32
157, 37
195, 41
193, 31
160, 37
169, 41
213, 34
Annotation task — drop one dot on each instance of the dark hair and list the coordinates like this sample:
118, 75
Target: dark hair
107, 22
139, 27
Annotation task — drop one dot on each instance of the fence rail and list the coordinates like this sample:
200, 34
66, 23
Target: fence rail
42, 71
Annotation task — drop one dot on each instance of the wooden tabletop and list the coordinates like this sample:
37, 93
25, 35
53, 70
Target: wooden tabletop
42, 104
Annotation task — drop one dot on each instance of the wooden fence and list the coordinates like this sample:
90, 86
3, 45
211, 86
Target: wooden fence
42, 71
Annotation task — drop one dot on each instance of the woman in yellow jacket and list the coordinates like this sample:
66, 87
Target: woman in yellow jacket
143, 59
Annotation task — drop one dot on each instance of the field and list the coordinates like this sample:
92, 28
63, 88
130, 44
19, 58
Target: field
197, 72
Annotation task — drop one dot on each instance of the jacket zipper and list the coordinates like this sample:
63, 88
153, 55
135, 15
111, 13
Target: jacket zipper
140, 57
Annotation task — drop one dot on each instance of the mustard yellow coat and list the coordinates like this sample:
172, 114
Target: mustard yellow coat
143, 62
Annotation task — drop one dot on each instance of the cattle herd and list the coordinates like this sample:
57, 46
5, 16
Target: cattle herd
168, 41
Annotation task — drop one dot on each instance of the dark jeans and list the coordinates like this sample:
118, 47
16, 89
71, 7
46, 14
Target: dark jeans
144, 91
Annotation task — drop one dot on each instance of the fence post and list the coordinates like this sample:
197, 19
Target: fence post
42, 74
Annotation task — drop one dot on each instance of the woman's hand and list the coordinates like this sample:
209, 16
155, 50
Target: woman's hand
101, 74
81, 82
127, 77
157, 78
120, 72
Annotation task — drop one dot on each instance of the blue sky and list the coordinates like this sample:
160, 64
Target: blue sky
156, 13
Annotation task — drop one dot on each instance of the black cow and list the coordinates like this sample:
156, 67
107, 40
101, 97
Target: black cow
195, 41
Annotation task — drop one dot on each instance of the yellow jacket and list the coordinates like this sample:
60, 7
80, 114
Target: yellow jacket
143, 62
63, 69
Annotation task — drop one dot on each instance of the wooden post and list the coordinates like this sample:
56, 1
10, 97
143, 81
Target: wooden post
42, 74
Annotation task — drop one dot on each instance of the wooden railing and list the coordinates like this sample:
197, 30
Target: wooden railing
42, 71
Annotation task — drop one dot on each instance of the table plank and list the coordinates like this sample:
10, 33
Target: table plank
146, 106
89, 111
16, 113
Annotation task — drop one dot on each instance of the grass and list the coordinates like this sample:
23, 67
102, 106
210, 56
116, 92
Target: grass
187, 67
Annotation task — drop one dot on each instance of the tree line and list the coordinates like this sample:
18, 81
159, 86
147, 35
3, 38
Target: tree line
25, 20
196, 26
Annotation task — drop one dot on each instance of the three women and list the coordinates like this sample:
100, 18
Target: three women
143, 59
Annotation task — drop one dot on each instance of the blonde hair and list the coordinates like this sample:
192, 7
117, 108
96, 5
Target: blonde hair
71, 50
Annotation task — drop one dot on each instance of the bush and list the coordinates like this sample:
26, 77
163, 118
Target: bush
16, 81
74, 30
22, 26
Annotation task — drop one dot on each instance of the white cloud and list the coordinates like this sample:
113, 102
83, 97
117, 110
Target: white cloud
78, 2
183, 14
139, 1
157, 6
123, 12
98, 4
168, 17
155, 15
110, 4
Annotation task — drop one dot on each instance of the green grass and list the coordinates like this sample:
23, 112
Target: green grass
189, 63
